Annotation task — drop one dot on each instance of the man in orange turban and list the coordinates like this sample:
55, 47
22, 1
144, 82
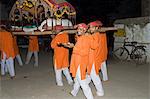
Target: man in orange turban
95, 58
61, 55
104, 52
79, 62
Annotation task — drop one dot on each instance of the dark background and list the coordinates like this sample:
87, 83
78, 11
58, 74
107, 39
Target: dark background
106, 10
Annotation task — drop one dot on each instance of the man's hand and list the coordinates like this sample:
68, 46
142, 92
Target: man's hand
60, 44
52, 36
69, 45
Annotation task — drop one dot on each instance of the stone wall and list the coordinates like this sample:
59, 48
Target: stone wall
136, 29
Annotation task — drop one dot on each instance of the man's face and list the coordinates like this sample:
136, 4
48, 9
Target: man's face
81, 31
57, 31
93, 29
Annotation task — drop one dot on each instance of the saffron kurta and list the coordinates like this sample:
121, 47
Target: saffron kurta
98, 55
61, 54
6, 44
0, 41
104, 49
33, 44
80, 55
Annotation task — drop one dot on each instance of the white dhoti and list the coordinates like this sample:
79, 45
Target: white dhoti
84, 85
29, 55
7, 64
18, 57
58, 74
104, 71
3, 64
96, 80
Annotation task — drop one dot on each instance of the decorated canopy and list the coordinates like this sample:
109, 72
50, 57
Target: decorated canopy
34, 12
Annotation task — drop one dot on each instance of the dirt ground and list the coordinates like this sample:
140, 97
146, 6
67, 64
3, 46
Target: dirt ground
126, 81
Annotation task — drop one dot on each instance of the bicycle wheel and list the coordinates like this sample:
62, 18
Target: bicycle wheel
121, 54
139, 56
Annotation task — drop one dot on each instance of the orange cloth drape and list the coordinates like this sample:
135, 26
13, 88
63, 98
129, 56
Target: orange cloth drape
0, 41
103, 46
61, 54
33, 44
98, 55
80, 55
6, 43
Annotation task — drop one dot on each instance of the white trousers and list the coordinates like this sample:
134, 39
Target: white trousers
58, 74
29, 55
18, 57
84, 85
3, 64
7, 64
104, 71
96, 80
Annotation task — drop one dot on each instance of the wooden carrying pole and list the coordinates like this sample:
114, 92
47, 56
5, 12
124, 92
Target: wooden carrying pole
49, 32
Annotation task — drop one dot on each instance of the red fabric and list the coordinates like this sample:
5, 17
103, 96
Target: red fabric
58, 27
99, 22
81, 25
95, 23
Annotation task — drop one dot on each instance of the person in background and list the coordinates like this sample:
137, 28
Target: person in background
61, 55
8, 54
79, 61
104, 52
33, 48
16, 49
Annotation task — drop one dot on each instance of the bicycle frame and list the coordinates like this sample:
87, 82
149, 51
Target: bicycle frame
137, 52
130, 44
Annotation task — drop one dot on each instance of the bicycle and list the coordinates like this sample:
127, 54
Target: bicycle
137, 53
